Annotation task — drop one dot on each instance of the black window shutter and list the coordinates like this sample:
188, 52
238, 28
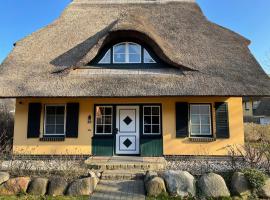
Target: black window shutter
34, 114
222, 120
72, 120
181, 111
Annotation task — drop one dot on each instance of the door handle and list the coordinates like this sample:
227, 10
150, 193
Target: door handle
115, 131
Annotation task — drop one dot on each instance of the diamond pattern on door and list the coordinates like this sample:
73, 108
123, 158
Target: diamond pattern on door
127, 120
127, 143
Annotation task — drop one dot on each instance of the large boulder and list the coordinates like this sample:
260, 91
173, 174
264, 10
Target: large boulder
4, 176
179, 183
38, 186
84, 186
240, 185
265, 190
155, 186
149, 175
213, 185
14, 186
57, 186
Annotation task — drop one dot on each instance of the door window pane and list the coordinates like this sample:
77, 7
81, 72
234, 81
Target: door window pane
147, 128
155, 129
103, 120
155, 119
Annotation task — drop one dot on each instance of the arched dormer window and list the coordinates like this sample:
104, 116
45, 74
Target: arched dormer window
127, 53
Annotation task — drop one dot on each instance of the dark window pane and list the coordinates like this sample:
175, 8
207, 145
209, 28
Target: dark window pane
60, 129
147, 119
100, 111
195, 119
195, 129
108, 129
147, 110
155, 129
108, 120
147, 129
108, 111
206, 130
155, 110
99, 120
60, 110
195, 109
204, 109
50, 110
50, 119
60, 119
205, 119
50, 129
99, 129
155, 119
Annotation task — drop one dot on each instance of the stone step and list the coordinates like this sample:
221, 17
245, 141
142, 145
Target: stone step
125, 166
126, 163
123, 175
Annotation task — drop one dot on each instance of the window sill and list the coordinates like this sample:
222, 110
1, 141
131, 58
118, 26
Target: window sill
52, 139
202, 139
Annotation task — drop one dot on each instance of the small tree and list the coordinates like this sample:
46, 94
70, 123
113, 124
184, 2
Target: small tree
6, 126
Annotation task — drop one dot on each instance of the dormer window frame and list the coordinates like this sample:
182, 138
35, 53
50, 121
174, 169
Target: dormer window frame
127, 53
127, 59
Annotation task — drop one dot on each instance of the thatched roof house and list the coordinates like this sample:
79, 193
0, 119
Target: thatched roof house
122, 77
212, 60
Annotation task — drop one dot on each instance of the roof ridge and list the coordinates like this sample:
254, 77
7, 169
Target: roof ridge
129, 1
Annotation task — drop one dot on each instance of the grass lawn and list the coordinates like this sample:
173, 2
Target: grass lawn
28, 197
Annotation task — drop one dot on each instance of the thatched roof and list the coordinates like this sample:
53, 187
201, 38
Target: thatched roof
204, 58
263, 108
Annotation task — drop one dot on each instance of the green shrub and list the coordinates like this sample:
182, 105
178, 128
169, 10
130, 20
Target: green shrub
255, 177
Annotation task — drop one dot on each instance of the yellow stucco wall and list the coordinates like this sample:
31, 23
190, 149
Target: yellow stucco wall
171, 144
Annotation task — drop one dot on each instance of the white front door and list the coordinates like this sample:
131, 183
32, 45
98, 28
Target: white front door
128, 136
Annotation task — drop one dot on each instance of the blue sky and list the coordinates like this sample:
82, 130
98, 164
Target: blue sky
250, 18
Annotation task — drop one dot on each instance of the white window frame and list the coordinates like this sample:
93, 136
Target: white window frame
210, 121
45, 119
103, 124
127, 54
151, 119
